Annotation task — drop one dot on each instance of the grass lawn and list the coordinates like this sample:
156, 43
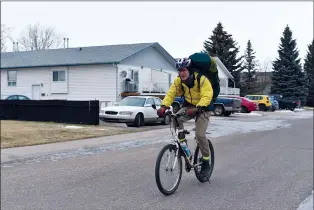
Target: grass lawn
26, 133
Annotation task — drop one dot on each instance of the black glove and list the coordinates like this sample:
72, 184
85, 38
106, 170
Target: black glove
200, 109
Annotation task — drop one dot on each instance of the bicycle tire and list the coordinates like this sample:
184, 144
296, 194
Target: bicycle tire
212, 160
157, 167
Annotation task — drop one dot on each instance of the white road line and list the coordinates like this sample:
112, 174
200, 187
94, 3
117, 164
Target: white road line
307, 204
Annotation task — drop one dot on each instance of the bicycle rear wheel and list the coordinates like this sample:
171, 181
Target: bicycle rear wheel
198, 159
170, 150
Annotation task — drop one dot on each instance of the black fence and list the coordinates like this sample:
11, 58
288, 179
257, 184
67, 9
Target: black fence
60, 111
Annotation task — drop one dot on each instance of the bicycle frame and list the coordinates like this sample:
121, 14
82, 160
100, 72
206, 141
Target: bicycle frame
173, 117
176, 140
191, 162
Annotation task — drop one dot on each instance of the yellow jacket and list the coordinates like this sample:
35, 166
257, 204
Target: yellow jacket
195, 96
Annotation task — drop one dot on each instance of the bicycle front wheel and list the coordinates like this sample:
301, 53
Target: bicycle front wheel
168, 162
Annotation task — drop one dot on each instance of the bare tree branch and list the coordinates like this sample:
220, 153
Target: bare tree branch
5, 35
38, 37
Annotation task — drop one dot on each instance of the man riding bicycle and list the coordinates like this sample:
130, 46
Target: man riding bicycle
195, 96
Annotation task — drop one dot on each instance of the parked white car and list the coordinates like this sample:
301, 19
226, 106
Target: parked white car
135, 110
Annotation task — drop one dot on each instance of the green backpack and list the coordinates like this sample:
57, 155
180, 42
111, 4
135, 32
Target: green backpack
206, 65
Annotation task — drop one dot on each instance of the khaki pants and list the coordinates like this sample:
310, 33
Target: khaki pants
200, 129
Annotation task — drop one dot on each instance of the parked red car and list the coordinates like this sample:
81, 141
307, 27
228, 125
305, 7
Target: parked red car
247, 105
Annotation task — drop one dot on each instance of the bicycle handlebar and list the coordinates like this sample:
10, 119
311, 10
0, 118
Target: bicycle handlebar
170, 113
196, 110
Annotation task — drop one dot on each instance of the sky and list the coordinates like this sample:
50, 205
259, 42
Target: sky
180, 27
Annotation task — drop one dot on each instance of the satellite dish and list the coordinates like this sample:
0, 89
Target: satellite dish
123, 74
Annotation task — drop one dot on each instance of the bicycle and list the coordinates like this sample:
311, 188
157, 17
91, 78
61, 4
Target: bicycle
191, 162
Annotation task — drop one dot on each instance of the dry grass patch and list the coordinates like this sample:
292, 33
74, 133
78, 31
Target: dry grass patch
24, 133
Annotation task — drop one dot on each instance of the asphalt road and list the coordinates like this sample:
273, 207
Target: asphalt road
259, 170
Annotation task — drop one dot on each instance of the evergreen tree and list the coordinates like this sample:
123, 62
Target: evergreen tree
288, 78
222, 45
309, 72
249, 84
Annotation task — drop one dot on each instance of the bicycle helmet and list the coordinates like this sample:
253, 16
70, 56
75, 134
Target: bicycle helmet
183, 63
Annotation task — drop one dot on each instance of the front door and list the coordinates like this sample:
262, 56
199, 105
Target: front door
35, 92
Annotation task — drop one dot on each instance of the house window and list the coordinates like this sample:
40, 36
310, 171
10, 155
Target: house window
58, 76
11, 78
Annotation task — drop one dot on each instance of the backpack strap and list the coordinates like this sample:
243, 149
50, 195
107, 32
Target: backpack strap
199, 80
182, 90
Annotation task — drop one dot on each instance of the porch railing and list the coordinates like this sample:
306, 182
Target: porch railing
155, 87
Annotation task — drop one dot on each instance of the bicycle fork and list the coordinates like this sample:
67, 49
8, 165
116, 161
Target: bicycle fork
177, 155
175, 159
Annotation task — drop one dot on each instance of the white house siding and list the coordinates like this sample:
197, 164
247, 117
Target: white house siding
92, 82
24, 81
222, 76
151, 58
224, 89
221, 73
59, 87
154, 70
88, 82
155, 80
148, 78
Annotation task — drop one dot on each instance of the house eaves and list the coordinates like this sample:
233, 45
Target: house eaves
223, 67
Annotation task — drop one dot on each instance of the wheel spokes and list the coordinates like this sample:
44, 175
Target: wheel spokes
169, 167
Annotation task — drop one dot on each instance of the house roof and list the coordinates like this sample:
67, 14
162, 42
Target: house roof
77, 56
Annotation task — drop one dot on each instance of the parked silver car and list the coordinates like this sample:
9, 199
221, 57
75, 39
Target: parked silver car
135, 110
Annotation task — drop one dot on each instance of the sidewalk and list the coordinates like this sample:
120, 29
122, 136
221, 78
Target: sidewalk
18, 153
